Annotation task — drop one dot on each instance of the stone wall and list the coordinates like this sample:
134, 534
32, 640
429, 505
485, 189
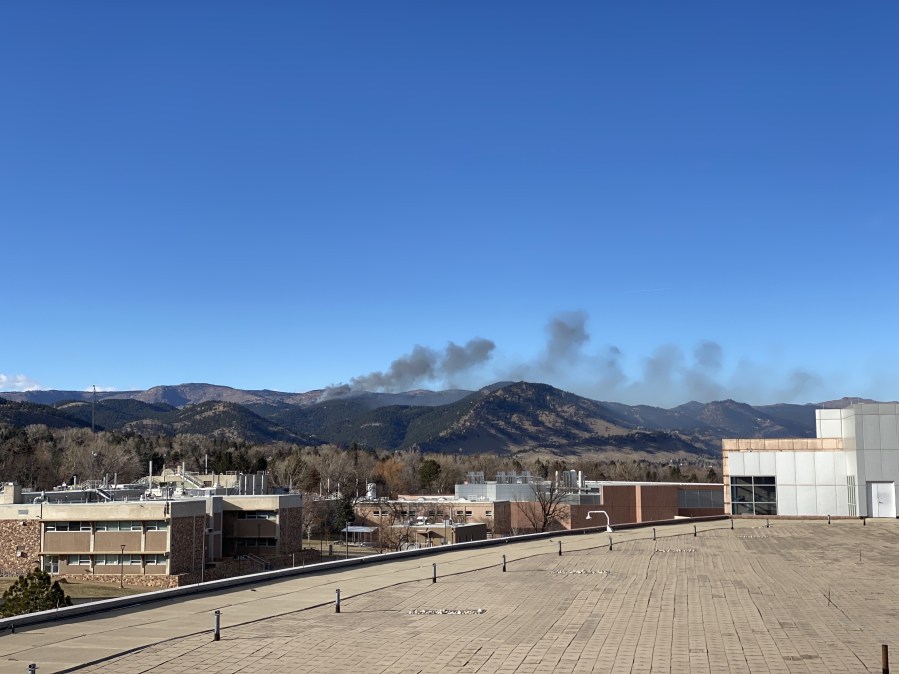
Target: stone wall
20, 546
290, 531
186, 544
154, 581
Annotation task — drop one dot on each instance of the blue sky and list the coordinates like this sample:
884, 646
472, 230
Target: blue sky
643, 202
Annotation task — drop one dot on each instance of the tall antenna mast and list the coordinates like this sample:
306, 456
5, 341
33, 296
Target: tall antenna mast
93, 407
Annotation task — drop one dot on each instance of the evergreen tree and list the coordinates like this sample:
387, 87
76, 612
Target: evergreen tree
428, 473
33, 593
344, 514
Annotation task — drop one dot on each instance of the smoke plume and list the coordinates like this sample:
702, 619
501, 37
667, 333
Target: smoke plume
427, 366
668, 376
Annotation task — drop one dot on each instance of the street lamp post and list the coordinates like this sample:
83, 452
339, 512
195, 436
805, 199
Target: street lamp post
603, 512
122, 567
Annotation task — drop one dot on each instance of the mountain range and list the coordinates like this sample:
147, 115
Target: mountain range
504, 418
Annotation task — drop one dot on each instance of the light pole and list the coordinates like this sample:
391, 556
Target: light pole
608, 524
122, 567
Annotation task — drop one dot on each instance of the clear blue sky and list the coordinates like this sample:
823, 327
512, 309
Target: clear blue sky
644, 202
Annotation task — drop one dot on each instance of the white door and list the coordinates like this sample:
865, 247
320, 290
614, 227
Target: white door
881, 499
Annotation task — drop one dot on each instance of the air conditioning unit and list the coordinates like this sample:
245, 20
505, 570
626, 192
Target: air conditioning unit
20, 553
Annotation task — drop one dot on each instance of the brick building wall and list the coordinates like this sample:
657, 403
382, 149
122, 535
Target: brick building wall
20, 546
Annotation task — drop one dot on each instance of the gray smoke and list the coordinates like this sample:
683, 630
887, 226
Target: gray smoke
567, 336
800, 385
458, 359
426, 366
669, 376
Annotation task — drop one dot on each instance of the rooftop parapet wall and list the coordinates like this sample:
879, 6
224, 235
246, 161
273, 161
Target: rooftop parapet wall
782, 445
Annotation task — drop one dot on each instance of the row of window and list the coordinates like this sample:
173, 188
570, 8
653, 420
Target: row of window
256, 515
114, 525
700, 498
115, 560
126, 525
431, 513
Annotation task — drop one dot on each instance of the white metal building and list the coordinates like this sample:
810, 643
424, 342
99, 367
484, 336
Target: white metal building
850, 469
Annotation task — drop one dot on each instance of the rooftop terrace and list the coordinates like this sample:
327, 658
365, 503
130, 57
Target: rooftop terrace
798, 596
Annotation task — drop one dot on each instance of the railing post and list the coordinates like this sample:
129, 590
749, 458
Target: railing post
767, 523
560, 548
337, 602
653, 533
32, 668
885, 658
434, 577
504, 563
828, 519
610, 542
216, 633
731, 523
694, 531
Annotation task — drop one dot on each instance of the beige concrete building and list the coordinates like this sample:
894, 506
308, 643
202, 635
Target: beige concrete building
160, 543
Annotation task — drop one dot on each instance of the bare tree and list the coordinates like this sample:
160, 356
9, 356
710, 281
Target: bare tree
94, 456
395, 524
294, 471
545, 512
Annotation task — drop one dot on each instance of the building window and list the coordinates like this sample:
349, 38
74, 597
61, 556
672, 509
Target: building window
256, 515
118, 560
79, 560
155, 560
488, 513
68, 526
157, 525
115, 525
700, 498
753, 495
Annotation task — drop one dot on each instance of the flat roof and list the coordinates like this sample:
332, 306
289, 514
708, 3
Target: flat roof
800, 595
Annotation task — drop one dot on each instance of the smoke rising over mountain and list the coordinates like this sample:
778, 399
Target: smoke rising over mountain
426, 366
666, 377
